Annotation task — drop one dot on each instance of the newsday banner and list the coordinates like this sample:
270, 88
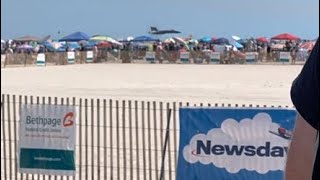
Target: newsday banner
47, 139
242, 144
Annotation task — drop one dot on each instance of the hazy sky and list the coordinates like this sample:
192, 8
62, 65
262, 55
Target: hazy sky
122, 18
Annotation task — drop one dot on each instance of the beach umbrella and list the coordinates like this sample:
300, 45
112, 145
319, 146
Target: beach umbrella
169, 40
105, 38
206, 39
242, 42
308, 45
236, 38
75, 37
262, 39
144, 39
181, 41
221, 41
286, 36
193, 41
28, 39
237, 45
104, 44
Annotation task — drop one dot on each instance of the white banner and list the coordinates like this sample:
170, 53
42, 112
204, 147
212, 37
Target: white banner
184, 56
47, 139
41, 59
150, 56
284, 57
89, 57
250, 56
215, 55
71, 57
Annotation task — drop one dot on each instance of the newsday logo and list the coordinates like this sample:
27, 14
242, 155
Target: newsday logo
68, 120
251, 144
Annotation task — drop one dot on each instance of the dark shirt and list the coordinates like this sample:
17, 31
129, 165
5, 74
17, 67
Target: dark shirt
305, 95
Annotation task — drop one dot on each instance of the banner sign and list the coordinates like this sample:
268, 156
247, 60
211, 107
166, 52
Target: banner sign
71, 58
184, 57
234, 143
215, 57
41, 59
250, 57
47, 139
150, 56
285, 57
89, 57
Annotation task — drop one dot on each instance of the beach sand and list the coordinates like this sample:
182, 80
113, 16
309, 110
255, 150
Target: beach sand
229, 84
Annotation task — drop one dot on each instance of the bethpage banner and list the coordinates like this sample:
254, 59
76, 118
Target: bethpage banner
47, 139
234, 143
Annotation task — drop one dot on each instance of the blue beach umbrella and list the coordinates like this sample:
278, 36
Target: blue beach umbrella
221, 41
76, 37
237, 45
144, 39
205, 39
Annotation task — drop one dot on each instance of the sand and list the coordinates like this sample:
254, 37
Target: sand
234, 84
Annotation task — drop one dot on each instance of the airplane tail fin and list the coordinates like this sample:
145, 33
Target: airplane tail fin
153, 28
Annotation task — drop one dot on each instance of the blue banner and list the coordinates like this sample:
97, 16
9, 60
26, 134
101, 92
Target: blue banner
234, 143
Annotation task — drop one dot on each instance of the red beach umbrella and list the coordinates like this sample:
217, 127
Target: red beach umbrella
262, 39
286, 36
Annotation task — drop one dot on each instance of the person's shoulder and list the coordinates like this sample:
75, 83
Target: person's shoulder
305, 89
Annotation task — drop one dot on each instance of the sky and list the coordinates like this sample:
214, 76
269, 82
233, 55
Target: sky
123, 18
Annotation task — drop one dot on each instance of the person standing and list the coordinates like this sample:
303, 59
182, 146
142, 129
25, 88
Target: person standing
305, 95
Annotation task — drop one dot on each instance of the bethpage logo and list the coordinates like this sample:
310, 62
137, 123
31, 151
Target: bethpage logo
54, 122
68, 119
253, 145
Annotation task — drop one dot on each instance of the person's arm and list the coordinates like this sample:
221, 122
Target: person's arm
301, 152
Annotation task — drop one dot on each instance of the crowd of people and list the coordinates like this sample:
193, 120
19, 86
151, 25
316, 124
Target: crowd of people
265, 50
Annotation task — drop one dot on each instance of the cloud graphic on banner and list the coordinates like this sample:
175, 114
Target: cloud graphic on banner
251, 144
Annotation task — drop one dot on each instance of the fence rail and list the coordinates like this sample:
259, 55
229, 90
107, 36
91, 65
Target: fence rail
115, 139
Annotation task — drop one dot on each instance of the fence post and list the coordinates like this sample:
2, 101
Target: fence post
80, 138
137, 137
4, 148
155, 137
165, 144
98, 136
124, 139
130, 141
111, 140
149, 140
9, 136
